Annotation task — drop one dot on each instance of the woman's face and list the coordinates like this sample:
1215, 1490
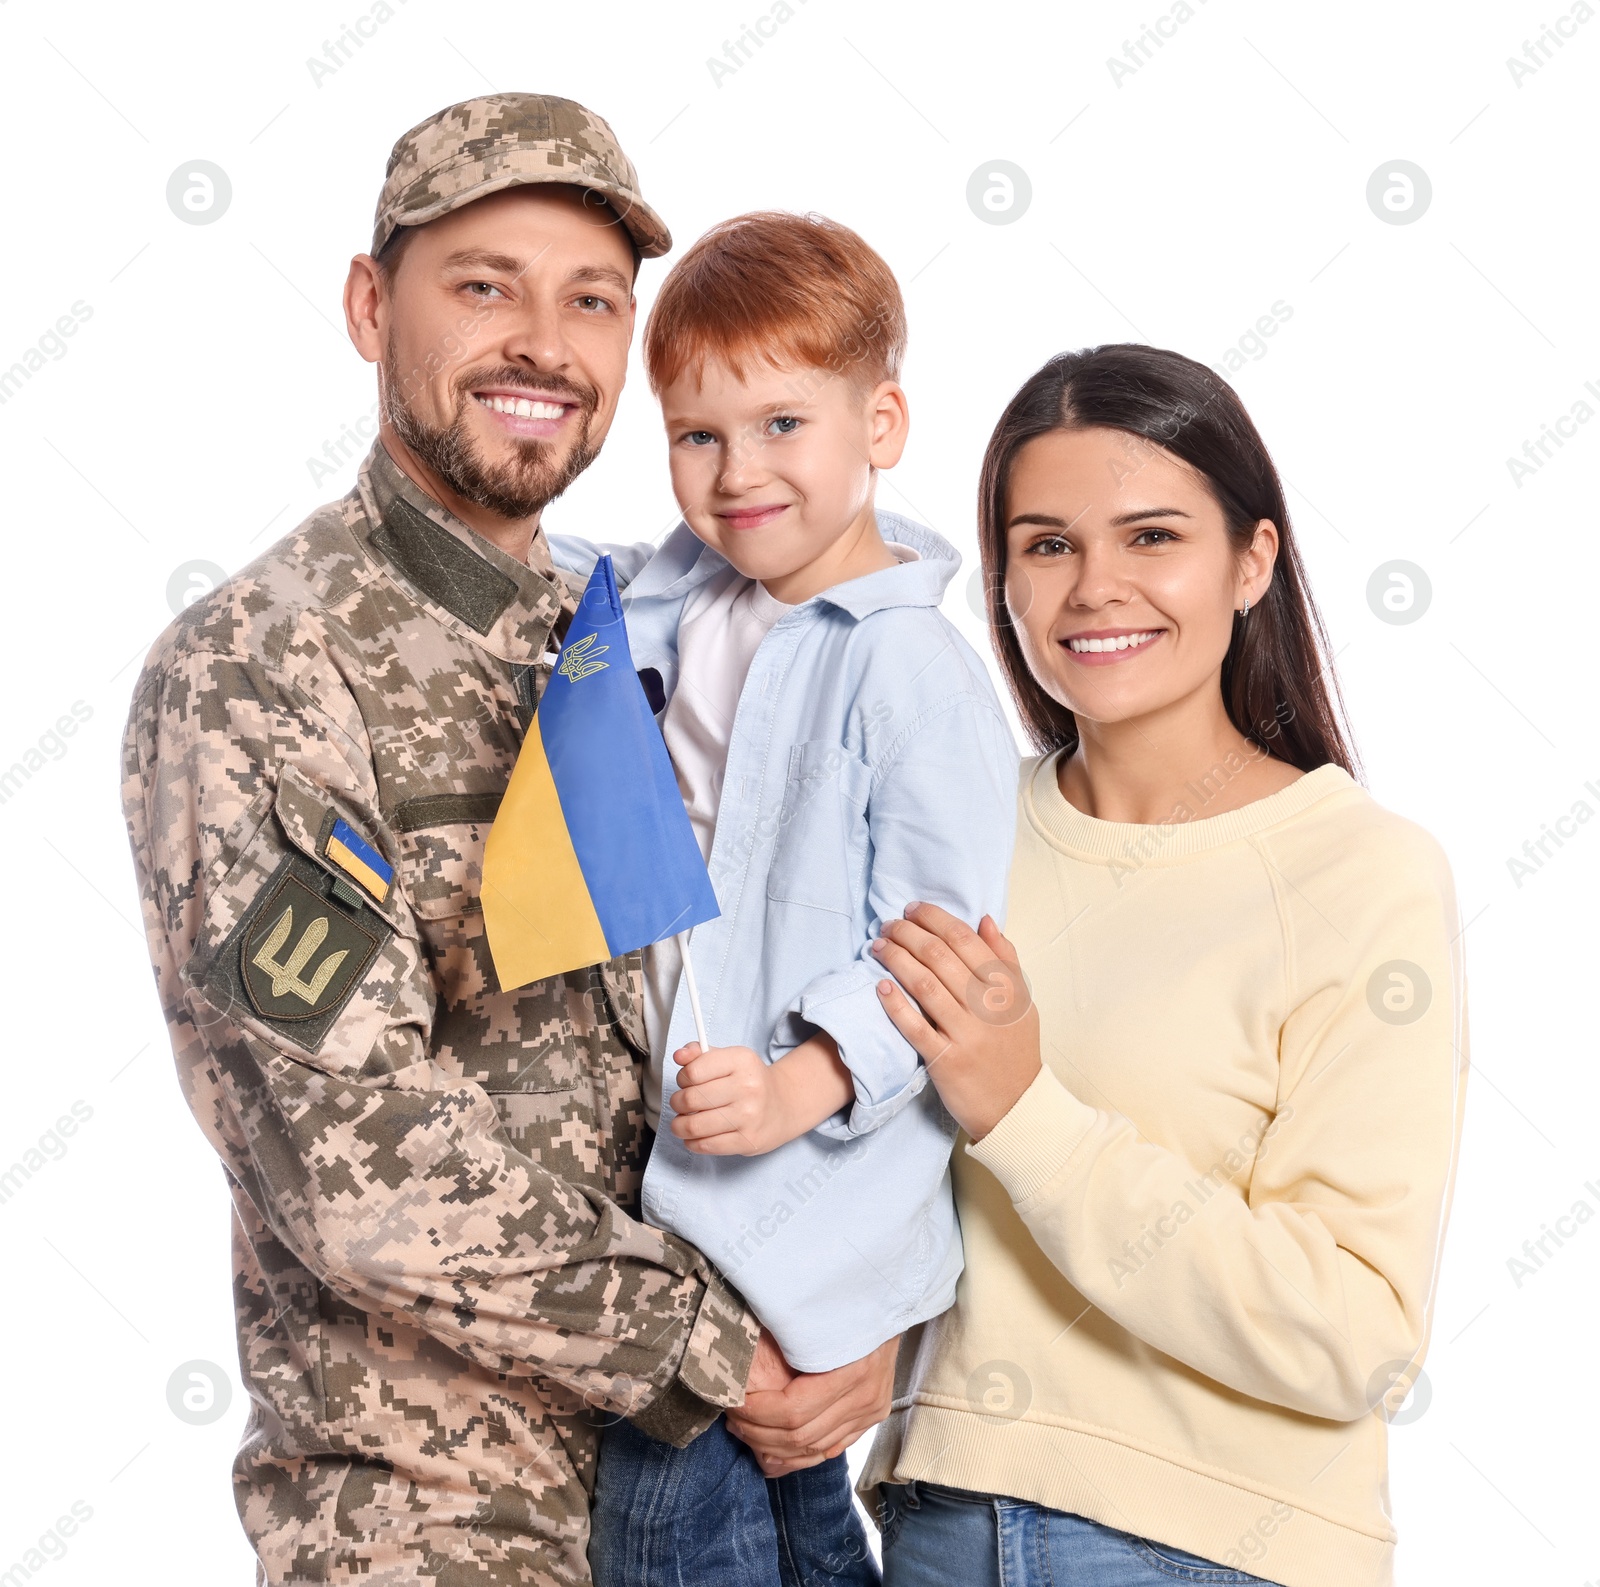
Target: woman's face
1120, 576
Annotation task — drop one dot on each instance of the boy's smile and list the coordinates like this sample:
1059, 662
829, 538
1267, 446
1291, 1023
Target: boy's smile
752, 517
775, 470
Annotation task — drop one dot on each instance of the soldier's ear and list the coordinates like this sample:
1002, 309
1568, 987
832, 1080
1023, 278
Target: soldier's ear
365, 291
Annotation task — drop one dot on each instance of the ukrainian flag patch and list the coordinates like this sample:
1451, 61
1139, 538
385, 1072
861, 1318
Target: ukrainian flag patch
357, 858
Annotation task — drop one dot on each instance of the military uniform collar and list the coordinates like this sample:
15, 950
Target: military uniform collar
470, 585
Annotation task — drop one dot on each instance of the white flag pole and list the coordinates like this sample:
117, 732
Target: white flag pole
682, 939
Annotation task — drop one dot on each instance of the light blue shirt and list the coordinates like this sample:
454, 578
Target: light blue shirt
869, 765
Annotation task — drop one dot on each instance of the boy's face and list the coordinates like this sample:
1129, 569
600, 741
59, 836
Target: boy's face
774, 468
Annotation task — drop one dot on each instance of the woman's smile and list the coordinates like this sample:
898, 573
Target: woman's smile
1105, 647
1207, 915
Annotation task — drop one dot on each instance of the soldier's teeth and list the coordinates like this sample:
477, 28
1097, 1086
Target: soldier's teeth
524, 407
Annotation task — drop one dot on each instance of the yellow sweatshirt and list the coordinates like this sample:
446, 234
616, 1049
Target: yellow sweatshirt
1203, 1244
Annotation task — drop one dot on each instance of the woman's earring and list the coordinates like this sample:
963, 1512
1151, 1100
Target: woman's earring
1246, 610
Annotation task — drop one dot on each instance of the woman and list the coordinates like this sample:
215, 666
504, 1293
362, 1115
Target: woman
1210, 1156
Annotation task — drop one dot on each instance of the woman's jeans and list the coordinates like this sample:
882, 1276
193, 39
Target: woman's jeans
705, 1516
936, 1537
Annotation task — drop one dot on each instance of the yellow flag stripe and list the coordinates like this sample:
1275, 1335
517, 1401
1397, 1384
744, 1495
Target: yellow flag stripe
346, 860
536, 905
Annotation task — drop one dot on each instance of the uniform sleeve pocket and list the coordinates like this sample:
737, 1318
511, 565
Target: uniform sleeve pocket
308, 816
820, 844
288, 947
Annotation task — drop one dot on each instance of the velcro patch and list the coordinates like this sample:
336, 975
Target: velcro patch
299, 953
356, 857
302, 954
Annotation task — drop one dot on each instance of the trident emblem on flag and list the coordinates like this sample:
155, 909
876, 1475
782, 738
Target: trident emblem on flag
578, 658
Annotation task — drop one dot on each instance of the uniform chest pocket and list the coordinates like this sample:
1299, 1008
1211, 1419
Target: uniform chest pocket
522, 1045
442, 839
819, 850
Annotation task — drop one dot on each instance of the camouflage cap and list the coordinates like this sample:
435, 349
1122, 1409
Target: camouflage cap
480, 146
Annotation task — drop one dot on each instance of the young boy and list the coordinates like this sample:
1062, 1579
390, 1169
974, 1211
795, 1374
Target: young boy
841, 753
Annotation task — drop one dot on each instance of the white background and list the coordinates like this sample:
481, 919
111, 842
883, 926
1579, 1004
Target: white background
1227, 173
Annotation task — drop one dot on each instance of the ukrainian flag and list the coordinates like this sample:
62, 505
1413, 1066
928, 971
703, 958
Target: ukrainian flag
591, 854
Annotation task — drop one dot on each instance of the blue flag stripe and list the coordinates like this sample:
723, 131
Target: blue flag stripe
619, 796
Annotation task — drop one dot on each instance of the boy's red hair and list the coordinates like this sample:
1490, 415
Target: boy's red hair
795, 291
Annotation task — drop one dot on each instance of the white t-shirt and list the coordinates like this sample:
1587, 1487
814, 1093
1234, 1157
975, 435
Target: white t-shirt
722, 626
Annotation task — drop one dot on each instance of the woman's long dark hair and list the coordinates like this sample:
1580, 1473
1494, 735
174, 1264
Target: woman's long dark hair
1276, 687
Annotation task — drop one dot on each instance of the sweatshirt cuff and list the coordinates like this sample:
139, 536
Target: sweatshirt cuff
1032, 1143
712, 1375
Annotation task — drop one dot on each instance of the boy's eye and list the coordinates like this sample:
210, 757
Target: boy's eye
699, 438
784, 424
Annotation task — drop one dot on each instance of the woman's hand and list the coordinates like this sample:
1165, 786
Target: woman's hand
977, 1028
818, 1415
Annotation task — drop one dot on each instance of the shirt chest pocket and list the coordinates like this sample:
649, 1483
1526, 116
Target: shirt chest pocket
819, 850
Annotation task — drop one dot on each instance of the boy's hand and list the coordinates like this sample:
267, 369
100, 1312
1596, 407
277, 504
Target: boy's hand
733, 1104
730, 1102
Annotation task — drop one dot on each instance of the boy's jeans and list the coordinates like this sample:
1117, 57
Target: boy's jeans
666, 1517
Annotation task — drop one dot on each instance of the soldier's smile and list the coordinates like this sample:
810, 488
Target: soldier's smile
525, 414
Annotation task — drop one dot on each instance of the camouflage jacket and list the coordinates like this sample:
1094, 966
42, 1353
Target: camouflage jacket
439, 1288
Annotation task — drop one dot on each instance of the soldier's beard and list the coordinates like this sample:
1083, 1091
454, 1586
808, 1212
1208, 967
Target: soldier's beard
535, 473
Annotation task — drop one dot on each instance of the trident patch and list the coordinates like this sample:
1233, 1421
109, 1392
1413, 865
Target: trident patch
302, 953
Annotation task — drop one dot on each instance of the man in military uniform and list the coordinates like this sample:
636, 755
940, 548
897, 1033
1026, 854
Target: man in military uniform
438, 1283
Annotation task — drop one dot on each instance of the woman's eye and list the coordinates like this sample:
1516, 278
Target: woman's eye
1153, 537
783, 425
1049, 546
